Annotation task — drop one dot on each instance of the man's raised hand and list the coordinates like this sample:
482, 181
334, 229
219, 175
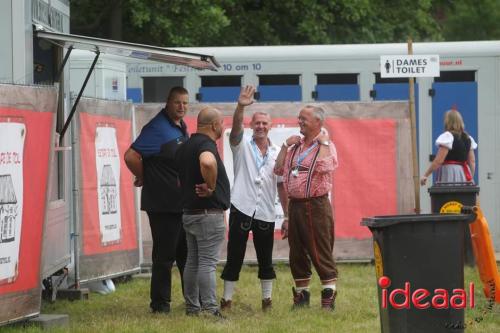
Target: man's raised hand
246, 95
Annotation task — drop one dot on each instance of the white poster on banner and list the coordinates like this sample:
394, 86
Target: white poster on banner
12, 135
277, 135
108, 184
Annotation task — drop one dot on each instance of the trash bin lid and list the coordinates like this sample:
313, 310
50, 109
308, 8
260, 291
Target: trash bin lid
453, 188
385, 221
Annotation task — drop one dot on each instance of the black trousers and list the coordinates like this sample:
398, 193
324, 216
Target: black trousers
263, 240
169, 246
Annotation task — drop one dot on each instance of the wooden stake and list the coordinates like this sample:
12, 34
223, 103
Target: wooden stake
416, 178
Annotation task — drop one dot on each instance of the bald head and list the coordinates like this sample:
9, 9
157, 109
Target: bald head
207, 116
210, 122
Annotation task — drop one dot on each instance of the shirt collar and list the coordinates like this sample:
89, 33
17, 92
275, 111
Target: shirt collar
302, 139
270, 144
182, 127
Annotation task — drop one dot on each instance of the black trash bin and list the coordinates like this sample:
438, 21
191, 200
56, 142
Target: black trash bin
426, 251
449, 198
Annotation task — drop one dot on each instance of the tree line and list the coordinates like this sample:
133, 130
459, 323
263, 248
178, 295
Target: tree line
184, 23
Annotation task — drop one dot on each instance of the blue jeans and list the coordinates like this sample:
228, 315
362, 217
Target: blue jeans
204, 235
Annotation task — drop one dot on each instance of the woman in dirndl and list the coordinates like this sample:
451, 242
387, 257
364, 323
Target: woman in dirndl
455, 161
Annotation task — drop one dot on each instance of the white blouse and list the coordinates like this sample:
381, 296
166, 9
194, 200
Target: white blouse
446, 140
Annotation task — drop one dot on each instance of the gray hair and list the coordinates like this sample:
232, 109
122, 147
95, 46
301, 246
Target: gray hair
318, 112
262, 113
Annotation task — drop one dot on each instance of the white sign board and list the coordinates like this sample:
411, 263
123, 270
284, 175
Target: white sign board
12, 135
409, 66
108, 184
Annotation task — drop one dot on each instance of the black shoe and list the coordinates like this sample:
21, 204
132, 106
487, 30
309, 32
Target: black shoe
328, 297
162, 308
212, 314
300, 299
218, 315
192, 313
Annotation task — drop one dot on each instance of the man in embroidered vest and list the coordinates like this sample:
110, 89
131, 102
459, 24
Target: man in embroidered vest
307, 165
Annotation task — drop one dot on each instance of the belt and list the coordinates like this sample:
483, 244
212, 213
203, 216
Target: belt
465, 167
203, 211
307, 199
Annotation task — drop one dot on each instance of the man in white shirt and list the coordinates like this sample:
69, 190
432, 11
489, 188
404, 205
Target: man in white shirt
252, 199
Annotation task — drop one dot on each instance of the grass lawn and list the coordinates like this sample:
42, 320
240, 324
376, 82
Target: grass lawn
127, 310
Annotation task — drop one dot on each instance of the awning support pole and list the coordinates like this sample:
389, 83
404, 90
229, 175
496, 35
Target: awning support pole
73, 109
65, 60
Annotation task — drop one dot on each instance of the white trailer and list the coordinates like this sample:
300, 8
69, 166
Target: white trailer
36, 46
469, 80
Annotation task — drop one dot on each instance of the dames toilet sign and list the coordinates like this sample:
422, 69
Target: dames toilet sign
409, 66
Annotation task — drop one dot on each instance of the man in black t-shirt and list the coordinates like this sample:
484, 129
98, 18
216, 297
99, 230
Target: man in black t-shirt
205, 197
151, 160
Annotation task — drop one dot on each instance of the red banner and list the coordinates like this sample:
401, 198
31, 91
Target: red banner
108, 213
24, 163
365, 181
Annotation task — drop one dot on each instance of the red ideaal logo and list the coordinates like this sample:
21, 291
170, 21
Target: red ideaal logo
440, 298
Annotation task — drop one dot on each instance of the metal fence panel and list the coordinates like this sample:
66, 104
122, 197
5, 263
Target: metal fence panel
27, 123
106, 221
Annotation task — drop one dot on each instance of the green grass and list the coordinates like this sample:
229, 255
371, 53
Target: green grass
127, 310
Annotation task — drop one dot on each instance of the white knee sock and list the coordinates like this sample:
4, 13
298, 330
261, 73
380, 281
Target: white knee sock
229, 289
267, 288
331, 286
299, 289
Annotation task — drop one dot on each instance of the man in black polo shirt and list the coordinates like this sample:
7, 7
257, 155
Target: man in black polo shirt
205, 197
151, 160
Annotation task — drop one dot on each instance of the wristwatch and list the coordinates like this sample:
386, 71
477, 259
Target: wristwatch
325, 143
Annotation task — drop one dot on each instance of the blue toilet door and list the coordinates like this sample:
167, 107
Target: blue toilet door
397, 92
337, 92
280, 93
219, 94
462, 96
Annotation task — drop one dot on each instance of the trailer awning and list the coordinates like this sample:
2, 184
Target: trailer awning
118, 48
131, 50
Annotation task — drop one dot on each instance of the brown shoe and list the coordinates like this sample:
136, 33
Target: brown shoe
225, 305
300, 299
328, 297
267, 304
